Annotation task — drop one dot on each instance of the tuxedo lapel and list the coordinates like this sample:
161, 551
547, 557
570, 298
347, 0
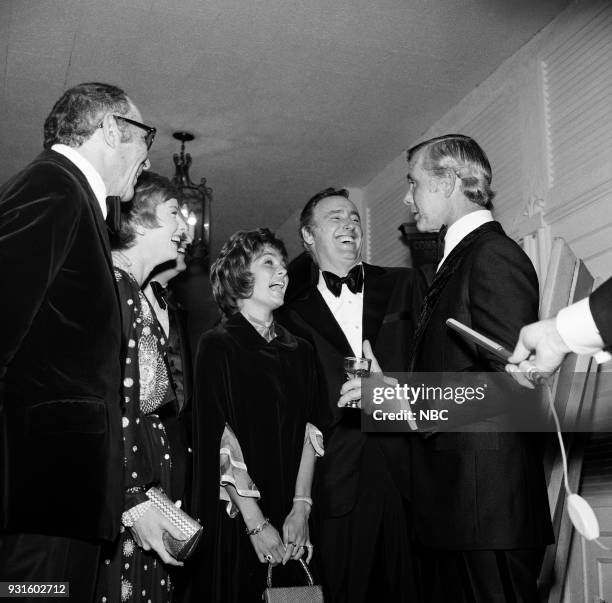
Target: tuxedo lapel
441, 278
305, 299
376, 295
317, 314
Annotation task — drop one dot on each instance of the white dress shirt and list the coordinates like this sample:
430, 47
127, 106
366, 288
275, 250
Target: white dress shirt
348, 312
462, 228
91, 174
579, 331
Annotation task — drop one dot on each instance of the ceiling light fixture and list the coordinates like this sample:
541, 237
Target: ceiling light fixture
195, 203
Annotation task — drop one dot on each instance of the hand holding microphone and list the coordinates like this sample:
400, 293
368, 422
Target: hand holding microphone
539, 344
527, 373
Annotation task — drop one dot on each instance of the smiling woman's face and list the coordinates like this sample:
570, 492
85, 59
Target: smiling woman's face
270, 282
163, 241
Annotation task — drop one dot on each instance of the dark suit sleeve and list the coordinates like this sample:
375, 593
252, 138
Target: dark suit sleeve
37, 227
600, 303
502, 297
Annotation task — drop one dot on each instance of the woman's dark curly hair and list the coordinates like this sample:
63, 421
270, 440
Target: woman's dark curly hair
230, 276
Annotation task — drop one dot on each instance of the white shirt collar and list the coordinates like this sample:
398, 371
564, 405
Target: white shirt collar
348, 312
91, 174
462, 228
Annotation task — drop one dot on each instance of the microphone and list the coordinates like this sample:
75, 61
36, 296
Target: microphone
533, 373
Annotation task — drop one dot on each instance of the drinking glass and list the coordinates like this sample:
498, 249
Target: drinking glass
356, 367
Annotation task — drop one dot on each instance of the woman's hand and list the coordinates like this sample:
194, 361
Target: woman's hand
268, 544
148, 533
296, 534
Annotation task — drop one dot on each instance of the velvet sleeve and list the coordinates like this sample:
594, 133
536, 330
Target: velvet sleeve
37, 229
211, 395
319, 413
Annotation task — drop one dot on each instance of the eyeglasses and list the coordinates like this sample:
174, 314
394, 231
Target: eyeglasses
150, 132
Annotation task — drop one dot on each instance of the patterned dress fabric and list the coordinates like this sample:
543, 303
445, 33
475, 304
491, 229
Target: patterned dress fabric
128, 573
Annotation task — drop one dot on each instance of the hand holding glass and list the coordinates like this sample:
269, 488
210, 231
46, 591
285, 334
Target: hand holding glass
356, 367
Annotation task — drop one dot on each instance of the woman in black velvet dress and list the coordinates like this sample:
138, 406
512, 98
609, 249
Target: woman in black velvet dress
255, 426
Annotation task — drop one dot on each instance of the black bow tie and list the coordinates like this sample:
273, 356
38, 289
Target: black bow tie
160, 294
353, 280
113, 214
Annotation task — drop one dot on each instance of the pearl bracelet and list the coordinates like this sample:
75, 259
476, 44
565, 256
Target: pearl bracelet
131, 516
305, 499
258, 528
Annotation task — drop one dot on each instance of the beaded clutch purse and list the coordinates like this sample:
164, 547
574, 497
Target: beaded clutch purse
311, 593
179, 548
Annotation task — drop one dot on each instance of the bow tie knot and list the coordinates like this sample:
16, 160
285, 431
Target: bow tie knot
160, 293
353, 280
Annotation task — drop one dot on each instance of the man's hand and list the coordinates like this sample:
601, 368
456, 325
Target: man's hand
148, 533
542, 338
351, 389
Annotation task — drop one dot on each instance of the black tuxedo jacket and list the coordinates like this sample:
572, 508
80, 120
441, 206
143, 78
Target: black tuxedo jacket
600, 303
61, 462
392, 300
478, 490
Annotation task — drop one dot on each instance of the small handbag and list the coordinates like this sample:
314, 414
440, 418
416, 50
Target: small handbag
179, 549
311, 593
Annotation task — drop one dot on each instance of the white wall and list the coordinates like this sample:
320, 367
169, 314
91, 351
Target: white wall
545, 120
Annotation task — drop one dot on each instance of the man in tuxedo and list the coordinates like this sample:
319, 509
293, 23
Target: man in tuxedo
60, 409
479, 499
362, 481
583, 328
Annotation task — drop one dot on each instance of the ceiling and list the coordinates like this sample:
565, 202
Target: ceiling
285, 97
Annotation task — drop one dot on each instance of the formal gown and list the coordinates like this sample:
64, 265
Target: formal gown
263, 393
128, 573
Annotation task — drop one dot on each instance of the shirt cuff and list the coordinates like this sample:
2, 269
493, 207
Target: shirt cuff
578, 330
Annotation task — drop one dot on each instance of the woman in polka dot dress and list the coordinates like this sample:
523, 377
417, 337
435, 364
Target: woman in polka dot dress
135, 568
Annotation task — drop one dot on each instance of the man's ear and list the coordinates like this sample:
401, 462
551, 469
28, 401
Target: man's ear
307, 235
110, 130
444, 183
